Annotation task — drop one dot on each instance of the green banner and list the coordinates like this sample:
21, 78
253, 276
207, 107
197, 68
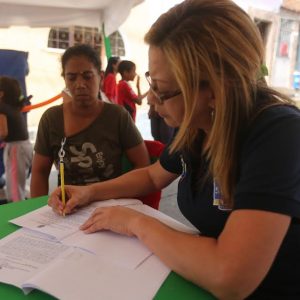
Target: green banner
106, 43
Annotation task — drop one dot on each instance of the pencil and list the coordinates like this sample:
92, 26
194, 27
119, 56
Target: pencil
62, 184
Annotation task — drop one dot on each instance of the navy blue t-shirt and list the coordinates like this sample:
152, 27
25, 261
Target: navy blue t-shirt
268, 179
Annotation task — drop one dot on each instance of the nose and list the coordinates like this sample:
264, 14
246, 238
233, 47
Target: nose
80, 82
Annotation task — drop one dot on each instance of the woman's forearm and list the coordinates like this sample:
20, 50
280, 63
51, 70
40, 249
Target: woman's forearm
125, 186
136, 183
219, 265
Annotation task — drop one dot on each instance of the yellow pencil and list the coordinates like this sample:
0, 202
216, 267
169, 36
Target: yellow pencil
62, 184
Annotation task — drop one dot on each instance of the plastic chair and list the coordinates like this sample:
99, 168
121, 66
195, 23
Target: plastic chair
154, 148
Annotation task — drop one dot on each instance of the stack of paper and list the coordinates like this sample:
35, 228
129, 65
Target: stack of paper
51, 254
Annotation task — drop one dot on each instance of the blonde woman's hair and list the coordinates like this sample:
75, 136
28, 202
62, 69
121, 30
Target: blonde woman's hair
215, 44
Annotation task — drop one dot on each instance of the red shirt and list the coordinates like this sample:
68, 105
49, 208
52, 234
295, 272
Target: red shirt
126, 97
110, 87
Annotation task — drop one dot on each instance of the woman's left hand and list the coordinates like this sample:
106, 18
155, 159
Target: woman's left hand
118, 219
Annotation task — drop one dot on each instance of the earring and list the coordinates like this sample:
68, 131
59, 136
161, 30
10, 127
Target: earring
212, 115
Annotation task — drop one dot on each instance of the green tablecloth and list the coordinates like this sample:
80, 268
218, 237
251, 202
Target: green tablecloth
174, 287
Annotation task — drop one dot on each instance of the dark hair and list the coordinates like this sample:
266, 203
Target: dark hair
111, 61
81, 50
125, 65
12, 92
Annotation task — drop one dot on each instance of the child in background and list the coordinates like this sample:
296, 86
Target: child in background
109, 85
13, 131
125, 94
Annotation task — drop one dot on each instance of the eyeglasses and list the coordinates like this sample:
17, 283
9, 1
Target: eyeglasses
161, 97
86, 75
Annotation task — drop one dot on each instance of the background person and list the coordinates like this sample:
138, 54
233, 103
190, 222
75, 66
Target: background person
237, 152
109, 85
160, 130
125, 94
97, 133
2, 169
17, 154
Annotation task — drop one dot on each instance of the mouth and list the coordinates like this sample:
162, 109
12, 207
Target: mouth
82, 96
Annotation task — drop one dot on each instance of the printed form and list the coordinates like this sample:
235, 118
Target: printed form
50, 250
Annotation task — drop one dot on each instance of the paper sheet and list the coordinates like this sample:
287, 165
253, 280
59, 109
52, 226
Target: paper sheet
112, 266
24, 254
56, 227
147, 210
118, 249
98, 279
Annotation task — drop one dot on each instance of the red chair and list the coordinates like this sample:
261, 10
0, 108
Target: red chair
155, 148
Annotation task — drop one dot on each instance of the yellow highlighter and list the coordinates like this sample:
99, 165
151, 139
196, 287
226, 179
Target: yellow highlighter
61, 155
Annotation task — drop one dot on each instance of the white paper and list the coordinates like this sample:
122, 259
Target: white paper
23, 254
57, 227
110, 267
147, 210
97, 279
118, 249
121, 250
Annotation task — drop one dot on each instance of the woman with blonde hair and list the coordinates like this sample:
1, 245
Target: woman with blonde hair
237, 152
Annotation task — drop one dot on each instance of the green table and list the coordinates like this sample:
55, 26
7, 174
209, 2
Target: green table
174, 287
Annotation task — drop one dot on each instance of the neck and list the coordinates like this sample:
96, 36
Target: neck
88, 110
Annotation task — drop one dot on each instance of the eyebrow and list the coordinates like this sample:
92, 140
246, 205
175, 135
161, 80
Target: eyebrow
158, 79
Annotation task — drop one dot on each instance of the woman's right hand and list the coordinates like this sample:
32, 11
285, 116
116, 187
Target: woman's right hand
76, 196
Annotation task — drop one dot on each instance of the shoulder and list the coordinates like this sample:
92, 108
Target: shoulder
110, 77
123, 84
5, 108
2, 107
280, 119
53, 111
269, 162
278, 113
52, 115
111, 108
114, 113
277, 125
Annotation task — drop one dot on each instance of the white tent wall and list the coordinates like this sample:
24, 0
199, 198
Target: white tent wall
44, 80
90, 13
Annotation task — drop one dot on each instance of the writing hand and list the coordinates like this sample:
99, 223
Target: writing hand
76, 196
